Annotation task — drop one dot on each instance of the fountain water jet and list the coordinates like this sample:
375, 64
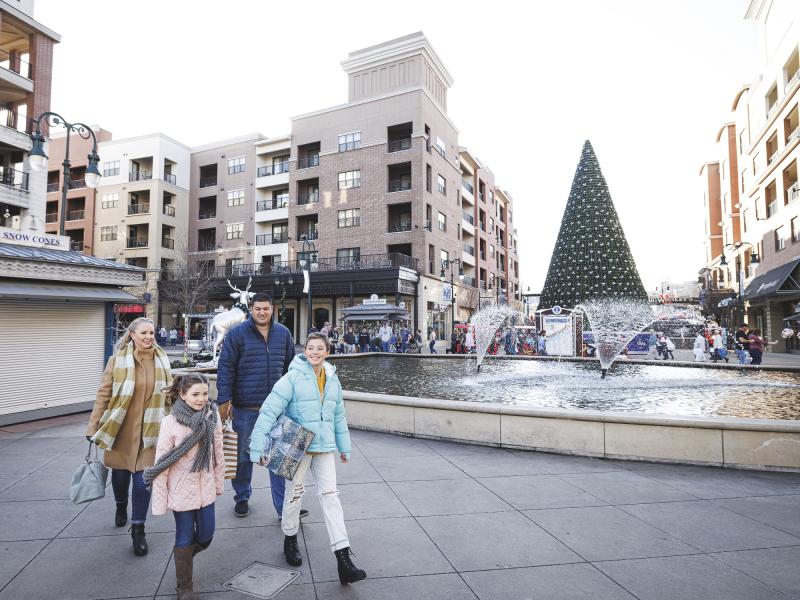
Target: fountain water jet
486, 322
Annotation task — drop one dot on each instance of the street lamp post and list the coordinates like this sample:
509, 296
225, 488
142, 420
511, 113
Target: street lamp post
448, 264
754, 260
308, 250
38, 156
283, 284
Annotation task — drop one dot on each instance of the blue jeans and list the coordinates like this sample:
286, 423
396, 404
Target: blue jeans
431, 345
243, 422
140, 497
194, 526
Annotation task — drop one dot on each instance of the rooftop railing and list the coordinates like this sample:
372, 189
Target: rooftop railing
273, 169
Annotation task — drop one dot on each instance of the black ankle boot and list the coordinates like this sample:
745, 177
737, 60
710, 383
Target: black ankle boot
348, 572
291, 551
121, 517
139, 543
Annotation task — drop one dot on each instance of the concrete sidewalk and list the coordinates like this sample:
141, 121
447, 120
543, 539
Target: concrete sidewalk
427, 520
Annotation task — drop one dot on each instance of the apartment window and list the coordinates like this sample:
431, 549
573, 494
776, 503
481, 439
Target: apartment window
428, 178
350, 217
441, 223
491, 251
347, 256
110, 200
780, 241
236, 198
441, 184
280, 198
745, 216
349, 141
431, 261
237, 165
444, 257
440, 147
349, 179
108, 233
234, 231
110, 168
741, 184
233, 266
795, 224
491, 196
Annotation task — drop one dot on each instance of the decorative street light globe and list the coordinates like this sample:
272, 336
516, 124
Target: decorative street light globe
37, 157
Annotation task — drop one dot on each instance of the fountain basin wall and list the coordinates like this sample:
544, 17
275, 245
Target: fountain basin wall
768, 444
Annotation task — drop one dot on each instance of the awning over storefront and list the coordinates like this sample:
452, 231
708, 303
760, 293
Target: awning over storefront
781, 281
726, 302
375, 312
10, 288
793, 318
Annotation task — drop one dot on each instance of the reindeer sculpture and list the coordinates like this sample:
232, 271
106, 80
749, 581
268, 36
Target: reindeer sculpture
225, 321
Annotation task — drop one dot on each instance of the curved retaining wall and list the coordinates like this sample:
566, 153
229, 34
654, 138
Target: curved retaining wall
716, 441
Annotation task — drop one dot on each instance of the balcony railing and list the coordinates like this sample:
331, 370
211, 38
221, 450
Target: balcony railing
793, 136
139, 175
308, 198
469, 249
75, 215
271, 204
208, 181
400, 145
15, 63
137, 243
793, 193
469, 218
51, 218
272, 238
308, 161
772, 208
399, 227
792, 80
773, 157
468, 186
138, 209
308, 235
52, 187
772, 109
274, 169
389, 260
470, 281
207, 214
169, 210
77, 184
14, 178
168, 243
170, 178
399, 185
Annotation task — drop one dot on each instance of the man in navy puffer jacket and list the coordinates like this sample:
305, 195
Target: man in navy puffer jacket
255, 355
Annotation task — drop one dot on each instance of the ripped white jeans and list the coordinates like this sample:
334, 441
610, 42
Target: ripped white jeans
323, 468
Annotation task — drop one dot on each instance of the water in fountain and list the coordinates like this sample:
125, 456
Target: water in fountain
615, 322
486, 322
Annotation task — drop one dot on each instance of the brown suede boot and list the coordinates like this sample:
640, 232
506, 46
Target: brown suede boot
183, 572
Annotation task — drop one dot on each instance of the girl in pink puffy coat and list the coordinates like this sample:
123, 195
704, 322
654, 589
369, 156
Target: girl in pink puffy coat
188, 474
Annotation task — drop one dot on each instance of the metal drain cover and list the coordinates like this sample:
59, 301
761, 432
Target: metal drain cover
262, 580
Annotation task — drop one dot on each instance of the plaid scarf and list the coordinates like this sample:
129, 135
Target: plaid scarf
124, 376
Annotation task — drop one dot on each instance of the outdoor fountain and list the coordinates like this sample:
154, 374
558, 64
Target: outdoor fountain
486, 322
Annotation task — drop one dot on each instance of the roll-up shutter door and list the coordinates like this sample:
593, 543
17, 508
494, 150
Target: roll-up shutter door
51, 353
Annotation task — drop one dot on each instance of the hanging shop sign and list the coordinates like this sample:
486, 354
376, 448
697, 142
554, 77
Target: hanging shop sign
35, 239
374, 300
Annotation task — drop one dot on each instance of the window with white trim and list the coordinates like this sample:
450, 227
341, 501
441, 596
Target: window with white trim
109, 200
347, 256
350, 217
235, 197
234, 231
441, 223
237, 164
108, 233
349, 179
110, 168
441, 184
349, 141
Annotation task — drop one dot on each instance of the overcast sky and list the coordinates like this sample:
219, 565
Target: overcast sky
649, 83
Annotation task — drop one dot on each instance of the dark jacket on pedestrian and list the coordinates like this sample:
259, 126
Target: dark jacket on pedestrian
248, 367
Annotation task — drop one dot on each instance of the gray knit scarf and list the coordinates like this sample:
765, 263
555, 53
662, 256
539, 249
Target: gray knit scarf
202, 423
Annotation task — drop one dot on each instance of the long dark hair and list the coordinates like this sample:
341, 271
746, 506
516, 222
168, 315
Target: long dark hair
181, 384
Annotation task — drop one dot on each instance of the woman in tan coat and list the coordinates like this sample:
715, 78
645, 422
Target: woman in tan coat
125, 421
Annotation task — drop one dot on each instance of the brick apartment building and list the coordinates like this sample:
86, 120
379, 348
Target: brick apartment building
752, 192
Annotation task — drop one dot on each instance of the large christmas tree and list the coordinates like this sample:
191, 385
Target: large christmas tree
591, 258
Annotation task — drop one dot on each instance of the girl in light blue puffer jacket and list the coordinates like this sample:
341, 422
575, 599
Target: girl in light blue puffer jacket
310, 394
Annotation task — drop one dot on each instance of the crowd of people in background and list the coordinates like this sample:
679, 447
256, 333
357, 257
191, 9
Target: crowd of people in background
715, 342
371, 337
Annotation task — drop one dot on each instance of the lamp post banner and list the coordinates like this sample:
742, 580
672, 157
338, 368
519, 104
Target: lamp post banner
306, 281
